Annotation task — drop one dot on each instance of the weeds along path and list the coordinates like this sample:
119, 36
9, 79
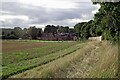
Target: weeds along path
82, 67
99, 61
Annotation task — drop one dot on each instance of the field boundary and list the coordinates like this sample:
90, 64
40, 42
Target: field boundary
37, 41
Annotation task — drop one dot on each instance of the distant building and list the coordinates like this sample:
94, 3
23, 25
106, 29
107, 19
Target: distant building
58, 37
99, 38
10, 34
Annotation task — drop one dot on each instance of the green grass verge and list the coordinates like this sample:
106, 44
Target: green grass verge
37, 41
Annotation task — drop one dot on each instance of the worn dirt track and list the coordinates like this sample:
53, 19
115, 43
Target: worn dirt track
83, 67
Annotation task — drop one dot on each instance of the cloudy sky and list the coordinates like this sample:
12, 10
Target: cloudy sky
40, 13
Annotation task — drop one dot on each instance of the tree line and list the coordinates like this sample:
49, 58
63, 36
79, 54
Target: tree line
18, 32
34, 32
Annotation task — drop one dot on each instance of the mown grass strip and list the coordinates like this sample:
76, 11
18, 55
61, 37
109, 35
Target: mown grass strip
43, 47
29, 64
37, 41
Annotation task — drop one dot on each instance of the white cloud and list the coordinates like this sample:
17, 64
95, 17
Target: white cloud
76, 20
39, 13
8, 0
5, 17
39, 25
50, 3
95, 11
84, 15
4, 12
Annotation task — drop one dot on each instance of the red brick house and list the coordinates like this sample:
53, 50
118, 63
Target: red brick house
58, 37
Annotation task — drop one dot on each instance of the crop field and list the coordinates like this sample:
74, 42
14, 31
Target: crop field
67, 59
92, 60
22, 55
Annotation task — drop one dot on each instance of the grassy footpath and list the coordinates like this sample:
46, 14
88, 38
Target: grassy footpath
22, 66
94, 60
107, 65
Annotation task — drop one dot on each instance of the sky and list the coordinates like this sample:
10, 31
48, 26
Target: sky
39, 13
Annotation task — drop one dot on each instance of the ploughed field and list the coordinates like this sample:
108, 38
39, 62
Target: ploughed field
18, 56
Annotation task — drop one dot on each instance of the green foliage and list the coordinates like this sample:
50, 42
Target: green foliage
58, 29
50, 29
43, 47
33, 32
78, 28
105, 23
62, 29
71, 30
18, 31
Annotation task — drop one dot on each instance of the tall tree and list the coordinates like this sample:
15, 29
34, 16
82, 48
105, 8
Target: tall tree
18, 32
50, 29
39, 32
78, 28
32, 31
